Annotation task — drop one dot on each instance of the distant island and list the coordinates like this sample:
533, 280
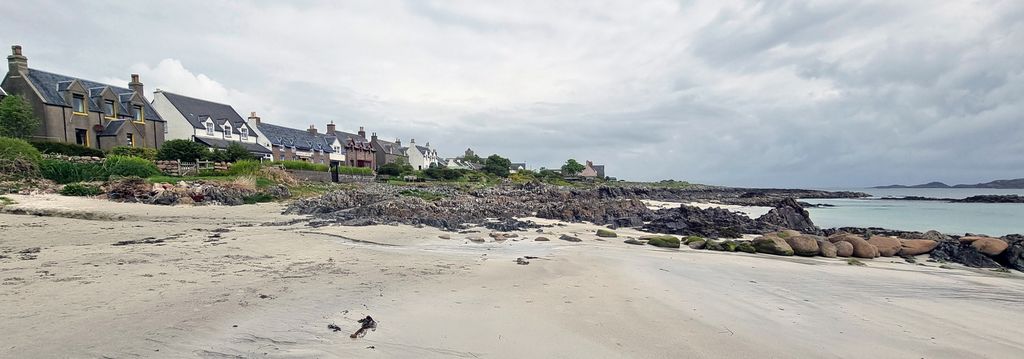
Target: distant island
1017, 183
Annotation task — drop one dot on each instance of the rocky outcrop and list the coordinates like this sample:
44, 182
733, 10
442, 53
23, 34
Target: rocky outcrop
789, 214
1013, 256
861, 247
827, 249
887, 246
987, 245
964, 253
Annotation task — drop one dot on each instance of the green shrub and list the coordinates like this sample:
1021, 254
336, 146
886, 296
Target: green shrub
236, 152
664, 241
181, 150
18, 159
357, 171
17, 119
443, 173
147, 153
68, 172
126, 166
67, 149
244, 167
80, 189
304, 166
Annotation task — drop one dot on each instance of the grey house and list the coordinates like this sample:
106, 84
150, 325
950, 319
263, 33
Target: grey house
387, 152
84, 112
213, 124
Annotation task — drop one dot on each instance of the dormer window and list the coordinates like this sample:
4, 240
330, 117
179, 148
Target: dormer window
209, 128
108, 109
243, 133
227, 131
78, 103
138, 114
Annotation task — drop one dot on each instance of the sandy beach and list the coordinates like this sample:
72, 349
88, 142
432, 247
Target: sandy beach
248, 282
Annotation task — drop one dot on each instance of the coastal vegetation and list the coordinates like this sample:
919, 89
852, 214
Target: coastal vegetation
80, 189
16, 118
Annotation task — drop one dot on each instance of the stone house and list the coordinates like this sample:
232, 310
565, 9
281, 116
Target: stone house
79, 111
421, 157
294, 144
358, 151
591, 171
213, 124
387, 152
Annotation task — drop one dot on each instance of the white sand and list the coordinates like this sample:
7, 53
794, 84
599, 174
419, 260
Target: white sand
83, 297
749, 211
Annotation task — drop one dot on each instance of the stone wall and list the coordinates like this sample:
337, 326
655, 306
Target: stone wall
354, 178
310, 176
75, 159
177, 168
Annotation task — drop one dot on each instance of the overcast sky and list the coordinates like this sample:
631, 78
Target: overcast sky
770, 93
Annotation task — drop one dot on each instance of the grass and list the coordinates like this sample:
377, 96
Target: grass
855, 262
303, 166
80, 189
425, 195
4, 201
257, 198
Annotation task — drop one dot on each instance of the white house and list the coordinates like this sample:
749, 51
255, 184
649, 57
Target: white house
215, 125
421, 157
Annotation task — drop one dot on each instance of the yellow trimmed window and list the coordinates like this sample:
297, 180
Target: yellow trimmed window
138, 115
78, 104
109, 111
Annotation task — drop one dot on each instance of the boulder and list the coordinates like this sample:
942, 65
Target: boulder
541, 239
988, 245
1013, 257
964, 253
843, 249
664, 241
746, 247
729, 245
861, 247
802, 245
568, 238
475, 239
772, 245
887, 246
604, 233
913, 247
713, 245
698, 244
786, 233
826, 248
444, 236
633, 241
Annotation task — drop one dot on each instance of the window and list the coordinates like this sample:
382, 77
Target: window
209, 128
227, 131
138, 114
108, 108
78, 103
131, 140
243, 133
82, 137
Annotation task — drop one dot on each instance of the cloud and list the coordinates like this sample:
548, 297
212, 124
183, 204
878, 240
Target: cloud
787, 93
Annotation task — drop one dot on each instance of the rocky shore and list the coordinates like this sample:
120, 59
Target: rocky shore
1010, 198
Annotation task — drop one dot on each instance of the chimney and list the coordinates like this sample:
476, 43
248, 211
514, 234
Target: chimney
428, 144
136, 86
362, 133
253, 119
17, 62
412, 142
330, 128
312, 129
373, 137
398, 142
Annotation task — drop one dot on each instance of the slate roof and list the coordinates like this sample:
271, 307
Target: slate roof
300, 139
50, 84
517, 166
196, 111
219, 143
113, 128
390, 148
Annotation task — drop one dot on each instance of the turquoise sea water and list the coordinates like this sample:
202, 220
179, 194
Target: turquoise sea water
994, 219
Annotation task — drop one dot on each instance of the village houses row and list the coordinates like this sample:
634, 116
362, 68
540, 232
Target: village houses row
102, 116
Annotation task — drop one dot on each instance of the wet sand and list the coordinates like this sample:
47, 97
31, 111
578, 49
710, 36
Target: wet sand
227, 282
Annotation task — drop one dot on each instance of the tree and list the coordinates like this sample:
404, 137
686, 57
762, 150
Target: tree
472, 158
572, 168
16, 118
390, 169
183, 150
236, 152
497, 165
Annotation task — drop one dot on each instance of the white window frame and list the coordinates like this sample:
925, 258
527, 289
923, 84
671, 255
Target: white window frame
227, 130
209, 128
243, 133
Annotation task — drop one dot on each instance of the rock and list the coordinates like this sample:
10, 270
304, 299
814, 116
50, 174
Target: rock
789, 214
604, 233
476, 239
500, 237
964, 253
772, 245
522, 261
843, 249
444, 236
664, 241
987, 245
698, 244
786, 233
935, 236
689, 239
633, 241
802, 245
713, 245
827, 249
1013, 256
913, 247
746, 247
729, 245
568, 238
887, 246
541, 239
861, 247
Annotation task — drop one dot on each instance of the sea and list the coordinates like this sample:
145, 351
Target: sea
994, 219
